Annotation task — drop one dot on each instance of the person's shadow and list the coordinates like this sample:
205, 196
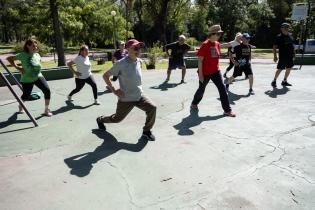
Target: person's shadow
104, 92
191, 121
165, 86
275, 92
81, 165
69, 106
235, 97
13, 119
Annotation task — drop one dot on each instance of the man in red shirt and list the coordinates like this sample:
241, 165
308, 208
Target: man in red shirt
208, 68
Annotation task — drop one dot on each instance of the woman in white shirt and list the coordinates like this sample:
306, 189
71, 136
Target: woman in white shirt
83, 73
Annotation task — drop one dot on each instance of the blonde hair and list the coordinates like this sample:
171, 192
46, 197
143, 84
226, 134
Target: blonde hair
238, 34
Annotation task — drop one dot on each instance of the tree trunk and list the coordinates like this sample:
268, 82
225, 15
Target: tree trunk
160, 21
57, 33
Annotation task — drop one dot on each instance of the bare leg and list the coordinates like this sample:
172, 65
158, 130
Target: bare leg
168, 74
287, 73
251, 81
277, 74
183, 73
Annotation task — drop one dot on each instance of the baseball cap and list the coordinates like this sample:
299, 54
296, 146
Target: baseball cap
182, 36
246, 36
285, 25
133, 42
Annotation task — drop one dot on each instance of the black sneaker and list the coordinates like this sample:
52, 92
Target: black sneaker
285, 83
101, 125
182, 81
274, 84
251, 91
148, 135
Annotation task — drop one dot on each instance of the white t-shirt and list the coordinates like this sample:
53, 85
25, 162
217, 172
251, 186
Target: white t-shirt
83, 66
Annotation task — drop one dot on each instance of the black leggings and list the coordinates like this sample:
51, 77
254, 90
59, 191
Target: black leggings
230, 66
41, 83
80, 84
218, 81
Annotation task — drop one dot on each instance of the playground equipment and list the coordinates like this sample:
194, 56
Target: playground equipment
8, 84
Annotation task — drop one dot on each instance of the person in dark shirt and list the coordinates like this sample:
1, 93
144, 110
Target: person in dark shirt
176, 58
237, 41
119, 54
285, 43
242, 61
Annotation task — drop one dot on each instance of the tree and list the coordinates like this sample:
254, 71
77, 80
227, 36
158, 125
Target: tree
58, 36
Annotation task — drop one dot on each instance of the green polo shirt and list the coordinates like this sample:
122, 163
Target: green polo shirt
31, 65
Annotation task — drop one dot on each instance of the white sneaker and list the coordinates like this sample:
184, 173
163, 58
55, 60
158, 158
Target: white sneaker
21, 110
48, 113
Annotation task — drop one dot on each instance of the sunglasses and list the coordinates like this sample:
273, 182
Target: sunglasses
136, 48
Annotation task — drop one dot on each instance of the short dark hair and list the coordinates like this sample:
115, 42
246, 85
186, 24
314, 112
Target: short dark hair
28, 42
83, 47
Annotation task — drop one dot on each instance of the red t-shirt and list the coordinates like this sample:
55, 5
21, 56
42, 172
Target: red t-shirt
210, 51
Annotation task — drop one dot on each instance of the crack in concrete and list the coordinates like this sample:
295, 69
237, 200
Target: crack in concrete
183, 105
294, 174
229, 136
131, 200
278, 147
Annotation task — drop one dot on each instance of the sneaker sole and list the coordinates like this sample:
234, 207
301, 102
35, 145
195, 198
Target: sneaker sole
147, 138
101, 126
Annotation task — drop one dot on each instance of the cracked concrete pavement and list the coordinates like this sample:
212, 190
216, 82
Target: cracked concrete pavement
262, 159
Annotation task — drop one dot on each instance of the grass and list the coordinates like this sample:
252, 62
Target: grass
95, 68
257, 53
6, 48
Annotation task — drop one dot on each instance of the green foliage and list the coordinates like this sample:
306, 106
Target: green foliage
153, 53
192, 41
90, 22
42, 48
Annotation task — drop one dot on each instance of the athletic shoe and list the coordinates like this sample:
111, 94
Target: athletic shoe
230, 114
69, 98
182, 81
148, 135
274, 84
193, 106
96, 102
227, 81
101, 125
251, 91
21, 110
48, 113
285, 83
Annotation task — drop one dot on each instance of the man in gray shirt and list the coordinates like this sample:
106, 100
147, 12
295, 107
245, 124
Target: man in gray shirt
130, 94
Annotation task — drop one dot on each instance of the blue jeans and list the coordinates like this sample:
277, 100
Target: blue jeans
218, 81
